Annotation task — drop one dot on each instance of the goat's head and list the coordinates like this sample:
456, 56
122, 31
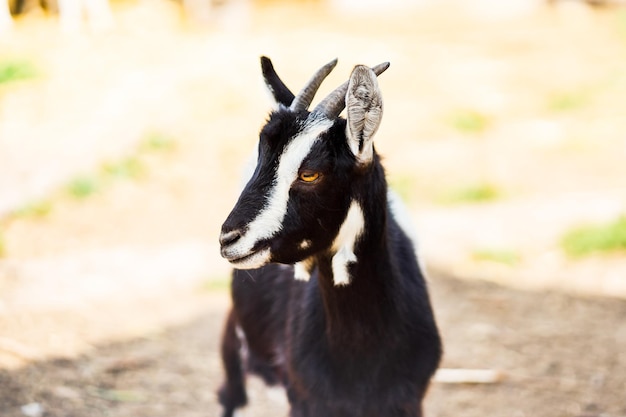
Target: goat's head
301, 190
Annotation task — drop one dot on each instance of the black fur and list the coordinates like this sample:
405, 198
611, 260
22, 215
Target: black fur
366, 349
279, 90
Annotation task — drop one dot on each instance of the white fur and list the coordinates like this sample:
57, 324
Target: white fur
344, 244
401, 215
257, 260
269, 221
300, 272
270, 93
277, 395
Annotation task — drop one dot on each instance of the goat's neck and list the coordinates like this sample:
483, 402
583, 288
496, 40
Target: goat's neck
355, 310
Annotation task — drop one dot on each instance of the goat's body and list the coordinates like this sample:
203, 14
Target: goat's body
366, 349
348, 330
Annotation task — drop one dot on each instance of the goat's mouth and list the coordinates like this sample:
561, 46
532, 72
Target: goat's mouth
250, 260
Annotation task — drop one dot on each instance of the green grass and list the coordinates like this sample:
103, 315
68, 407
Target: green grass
469, 121
14, 70
478, 193
505, 257
127, 168
157, 141
84, 186
35, 209
87, 185
589, 240
568, 101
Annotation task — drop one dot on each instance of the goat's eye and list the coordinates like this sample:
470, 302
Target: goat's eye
309, 176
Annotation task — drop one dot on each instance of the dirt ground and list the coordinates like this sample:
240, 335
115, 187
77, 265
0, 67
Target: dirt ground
112, 305
560, 356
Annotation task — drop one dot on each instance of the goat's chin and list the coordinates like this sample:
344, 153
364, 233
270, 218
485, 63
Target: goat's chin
252, 261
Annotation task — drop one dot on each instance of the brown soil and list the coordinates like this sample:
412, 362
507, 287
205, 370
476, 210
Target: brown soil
560, 356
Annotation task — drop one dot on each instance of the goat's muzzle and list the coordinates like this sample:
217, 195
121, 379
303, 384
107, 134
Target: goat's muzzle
235, 250
228, 238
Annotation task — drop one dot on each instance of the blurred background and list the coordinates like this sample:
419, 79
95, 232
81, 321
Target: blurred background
125, 127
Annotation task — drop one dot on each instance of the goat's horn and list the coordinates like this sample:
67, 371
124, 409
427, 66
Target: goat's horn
335, 102
305, 96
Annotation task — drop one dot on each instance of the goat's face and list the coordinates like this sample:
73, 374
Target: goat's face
299, 195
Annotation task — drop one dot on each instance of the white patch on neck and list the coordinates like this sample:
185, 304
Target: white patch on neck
300, 272
344, 244
270, 219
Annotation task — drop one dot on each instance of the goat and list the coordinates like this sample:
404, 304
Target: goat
328, 296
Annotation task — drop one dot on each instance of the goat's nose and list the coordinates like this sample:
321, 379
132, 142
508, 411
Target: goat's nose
227, 238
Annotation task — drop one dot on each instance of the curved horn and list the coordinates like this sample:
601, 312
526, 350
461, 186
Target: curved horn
305, 96
335, 102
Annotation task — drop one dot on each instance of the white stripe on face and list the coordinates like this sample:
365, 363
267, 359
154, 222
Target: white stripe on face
344, 244
269, 220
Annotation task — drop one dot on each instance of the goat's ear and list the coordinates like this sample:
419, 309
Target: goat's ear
277, 89
364, 104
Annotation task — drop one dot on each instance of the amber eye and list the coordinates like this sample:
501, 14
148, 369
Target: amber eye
309, 176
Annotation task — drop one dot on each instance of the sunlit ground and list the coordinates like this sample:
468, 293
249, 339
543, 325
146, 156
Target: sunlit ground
503, 126
121, 150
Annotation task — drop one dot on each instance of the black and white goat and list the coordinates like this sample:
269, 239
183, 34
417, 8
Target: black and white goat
348, 330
